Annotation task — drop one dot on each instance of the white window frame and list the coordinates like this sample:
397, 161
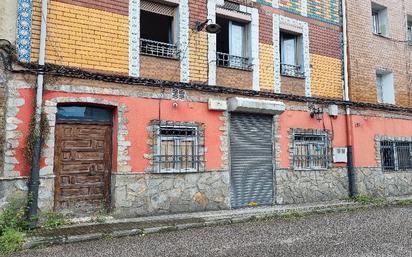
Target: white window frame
176, 150
385, 88
409, 29
380, 22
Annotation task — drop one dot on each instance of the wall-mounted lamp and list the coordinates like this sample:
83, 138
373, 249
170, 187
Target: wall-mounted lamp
212, 28
316, 112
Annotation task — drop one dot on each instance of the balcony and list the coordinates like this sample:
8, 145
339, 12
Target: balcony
158, 49
291, 70
232, 61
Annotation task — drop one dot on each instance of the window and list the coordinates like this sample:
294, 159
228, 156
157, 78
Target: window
291, 55
177, 149
379, 20
232, 44
84, 113
311, 151
385, 88
410, 29
157, 30
396, 155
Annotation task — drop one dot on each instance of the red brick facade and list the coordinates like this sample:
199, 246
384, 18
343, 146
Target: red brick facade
369, 53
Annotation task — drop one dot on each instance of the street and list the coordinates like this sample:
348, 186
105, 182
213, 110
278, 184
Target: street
372, 232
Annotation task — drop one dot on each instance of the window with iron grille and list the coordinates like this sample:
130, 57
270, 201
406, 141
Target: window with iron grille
410, 29
396, 155
178, 149
311, 151
232, 44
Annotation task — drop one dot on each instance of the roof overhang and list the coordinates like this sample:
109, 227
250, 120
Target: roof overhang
239, 104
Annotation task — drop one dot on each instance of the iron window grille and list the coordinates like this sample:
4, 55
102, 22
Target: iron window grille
410, 32
396, 155
158, 49
292, 70
177, 149
232, 61
311, 151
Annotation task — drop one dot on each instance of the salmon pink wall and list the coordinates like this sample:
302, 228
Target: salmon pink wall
24, 115
302, 119
140, 112
364, 131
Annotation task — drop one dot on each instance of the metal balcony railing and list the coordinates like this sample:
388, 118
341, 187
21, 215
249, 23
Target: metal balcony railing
158, 49
232, 61
292, 70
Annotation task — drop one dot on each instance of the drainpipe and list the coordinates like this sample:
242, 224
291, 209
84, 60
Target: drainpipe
353, 190
34, 180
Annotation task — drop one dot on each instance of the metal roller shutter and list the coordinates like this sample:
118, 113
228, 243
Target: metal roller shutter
251, 151
157, 8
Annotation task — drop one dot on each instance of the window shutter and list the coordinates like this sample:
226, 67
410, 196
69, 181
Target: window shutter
157, 8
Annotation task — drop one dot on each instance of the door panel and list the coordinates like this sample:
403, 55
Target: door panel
82, 167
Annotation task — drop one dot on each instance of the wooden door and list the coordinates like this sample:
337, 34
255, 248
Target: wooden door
82, 167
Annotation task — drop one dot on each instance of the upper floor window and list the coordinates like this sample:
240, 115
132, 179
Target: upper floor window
396, 155
232, 42
157, 30
385, 88
311, 150
291, 51
380, 20
410, 29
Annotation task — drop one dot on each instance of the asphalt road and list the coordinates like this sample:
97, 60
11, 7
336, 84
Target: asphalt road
374, 232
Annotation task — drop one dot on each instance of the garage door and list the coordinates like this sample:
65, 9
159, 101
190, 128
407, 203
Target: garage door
251, 151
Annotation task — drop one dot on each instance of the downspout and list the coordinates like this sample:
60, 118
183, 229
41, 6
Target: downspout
34, 180
353, 190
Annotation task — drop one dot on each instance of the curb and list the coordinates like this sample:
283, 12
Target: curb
206, 219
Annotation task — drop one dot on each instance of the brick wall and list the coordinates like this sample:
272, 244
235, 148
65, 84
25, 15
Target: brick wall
94, 35
91, 35
234, 78
369, 53
294, 86
159, 68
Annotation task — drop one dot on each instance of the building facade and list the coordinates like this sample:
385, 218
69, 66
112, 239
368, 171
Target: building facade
379, 47
148, 110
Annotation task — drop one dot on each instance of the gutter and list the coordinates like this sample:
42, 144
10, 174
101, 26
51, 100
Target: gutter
353, 190
34, 181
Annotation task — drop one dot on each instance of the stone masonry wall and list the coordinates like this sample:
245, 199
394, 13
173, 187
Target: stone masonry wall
146, 194
2, 122
295, 187
375, 182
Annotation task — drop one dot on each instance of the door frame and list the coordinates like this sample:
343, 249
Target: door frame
108, 182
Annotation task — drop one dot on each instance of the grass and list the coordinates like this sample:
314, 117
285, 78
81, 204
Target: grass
53, 220
369, 200
13, 224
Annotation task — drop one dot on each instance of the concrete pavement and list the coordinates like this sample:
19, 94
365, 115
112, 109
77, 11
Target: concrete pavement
365, 232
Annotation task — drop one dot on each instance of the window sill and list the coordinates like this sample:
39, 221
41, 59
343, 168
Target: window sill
177, 171
381, 36
397, 171
162, 57
235, 68
292, 76
311, 169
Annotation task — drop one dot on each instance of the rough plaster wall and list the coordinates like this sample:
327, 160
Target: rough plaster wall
8, 9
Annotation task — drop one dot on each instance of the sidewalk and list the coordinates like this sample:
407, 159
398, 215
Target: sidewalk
146, 225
